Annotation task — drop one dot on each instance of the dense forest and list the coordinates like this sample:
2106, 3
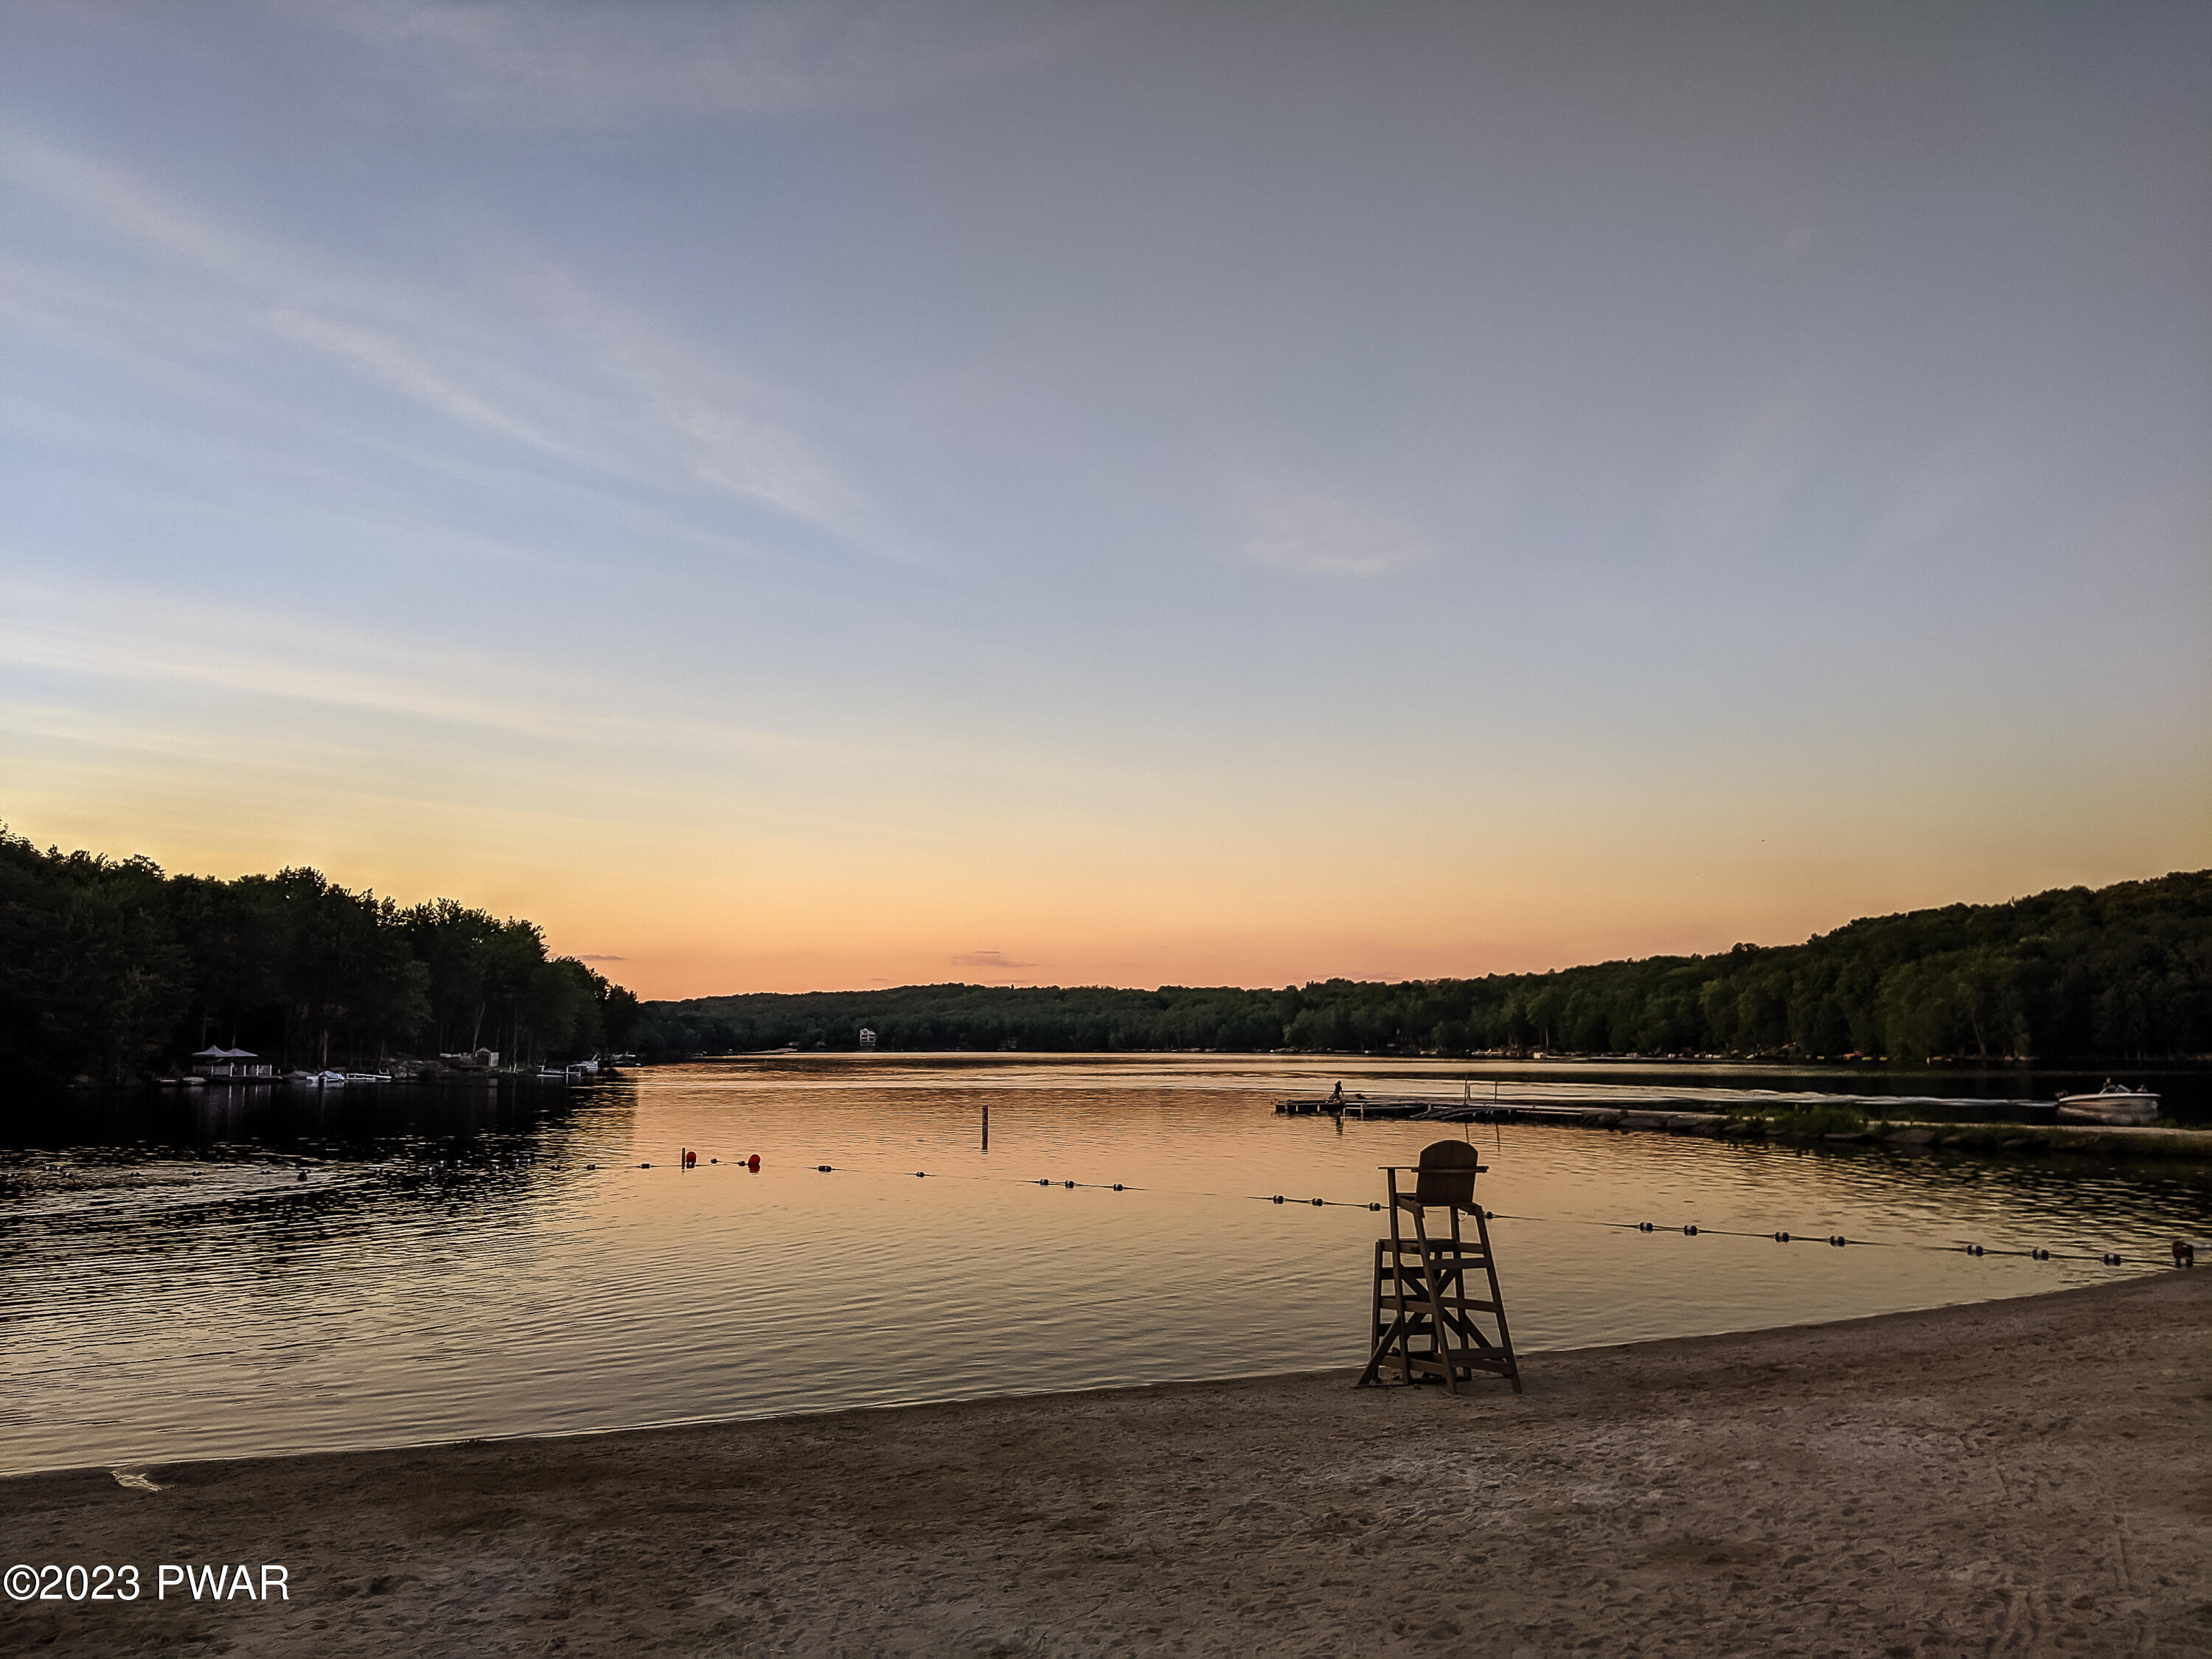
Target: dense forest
2122, 972
109, 969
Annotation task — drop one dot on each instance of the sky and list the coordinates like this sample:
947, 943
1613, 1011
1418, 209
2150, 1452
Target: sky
799, 496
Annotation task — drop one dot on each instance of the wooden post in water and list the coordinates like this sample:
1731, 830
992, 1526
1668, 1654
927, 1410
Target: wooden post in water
987, 1126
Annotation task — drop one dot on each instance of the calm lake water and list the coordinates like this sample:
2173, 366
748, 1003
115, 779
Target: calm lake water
237, 1273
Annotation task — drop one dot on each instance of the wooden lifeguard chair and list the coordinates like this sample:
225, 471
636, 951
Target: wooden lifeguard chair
1426, 1324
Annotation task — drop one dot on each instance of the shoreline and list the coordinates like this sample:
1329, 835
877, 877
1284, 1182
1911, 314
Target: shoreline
2002, 1475
109, 1467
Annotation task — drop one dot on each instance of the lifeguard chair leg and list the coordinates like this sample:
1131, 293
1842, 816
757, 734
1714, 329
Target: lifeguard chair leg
1497, 1301
1385, 1330
1432, 1291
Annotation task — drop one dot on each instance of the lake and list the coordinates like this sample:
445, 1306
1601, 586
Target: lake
233, 1272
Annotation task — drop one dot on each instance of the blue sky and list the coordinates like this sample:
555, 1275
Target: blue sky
801, 494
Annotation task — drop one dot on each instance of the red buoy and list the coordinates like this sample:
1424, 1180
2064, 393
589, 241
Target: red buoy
753, 1163
690, 1159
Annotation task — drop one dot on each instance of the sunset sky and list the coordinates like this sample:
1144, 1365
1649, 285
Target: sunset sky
796, 495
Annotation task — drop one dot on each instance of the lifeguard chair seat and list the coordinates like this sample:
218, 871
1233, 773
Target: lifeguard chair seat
1445, 1175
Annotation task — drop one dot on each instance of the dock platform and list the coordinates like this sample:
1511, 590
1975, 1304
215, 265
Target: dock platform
1443, 1109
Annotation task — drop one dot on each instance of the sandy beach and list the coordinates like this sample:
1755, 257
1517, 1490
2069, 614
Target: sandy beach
2028, 1476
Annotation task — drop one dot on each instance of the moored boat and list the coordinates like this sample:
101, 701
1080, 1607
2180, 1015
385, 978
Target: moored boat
2113, 1104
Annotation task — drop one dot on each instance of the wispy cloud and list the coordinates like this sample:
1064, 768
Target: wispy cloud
389, 363
533, 364
279, 288
717, 418
541, 65
239, 648
993, 959
1739, 495
145, 216
1324, 536
589, 955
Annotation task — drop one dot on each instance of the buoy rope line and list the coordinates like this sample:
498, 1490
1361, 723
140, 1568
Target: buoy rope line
1962, 1247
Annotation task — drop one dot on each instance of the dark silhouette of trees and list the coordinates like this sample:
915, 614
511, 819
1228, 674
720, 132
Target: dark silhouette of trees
108, 968
2122, 973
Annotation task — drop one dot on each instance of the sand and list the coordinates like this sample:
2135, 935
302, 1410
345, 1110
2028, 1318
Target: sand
2027, 1476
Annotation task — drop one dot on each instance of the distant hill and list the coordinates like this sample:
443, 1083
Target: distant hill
2122, 972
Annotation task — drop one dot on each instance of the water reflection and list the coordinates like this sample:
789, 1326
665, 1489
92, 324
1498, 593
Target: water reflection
242, 1272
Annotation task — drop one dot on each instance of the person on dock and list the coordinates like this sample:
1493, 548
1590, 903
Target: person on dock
1336, 1094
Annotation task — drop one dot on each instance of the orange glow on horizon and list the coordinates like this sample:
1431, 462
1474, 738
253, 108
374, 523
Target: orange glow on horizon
670, 912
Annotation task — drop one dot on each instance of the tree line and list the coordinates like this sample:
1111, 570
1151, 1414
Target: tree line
110, 969
2121, 972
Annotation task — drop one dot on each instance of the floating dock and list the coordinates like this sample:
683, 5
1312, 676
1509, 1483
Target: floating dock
1433, 1108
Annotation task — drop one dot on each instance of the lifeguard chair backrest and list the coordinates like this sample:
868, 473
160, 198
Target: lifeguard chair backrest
1446, 1174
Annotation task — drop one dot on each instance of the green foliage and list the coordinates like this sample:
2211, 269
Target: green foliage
2124, 972
90, 976
1805, 1122
109, 968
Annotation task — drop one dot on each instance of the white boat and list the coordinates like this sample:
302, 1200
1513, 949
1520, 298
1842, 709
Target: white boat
2113, 1104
